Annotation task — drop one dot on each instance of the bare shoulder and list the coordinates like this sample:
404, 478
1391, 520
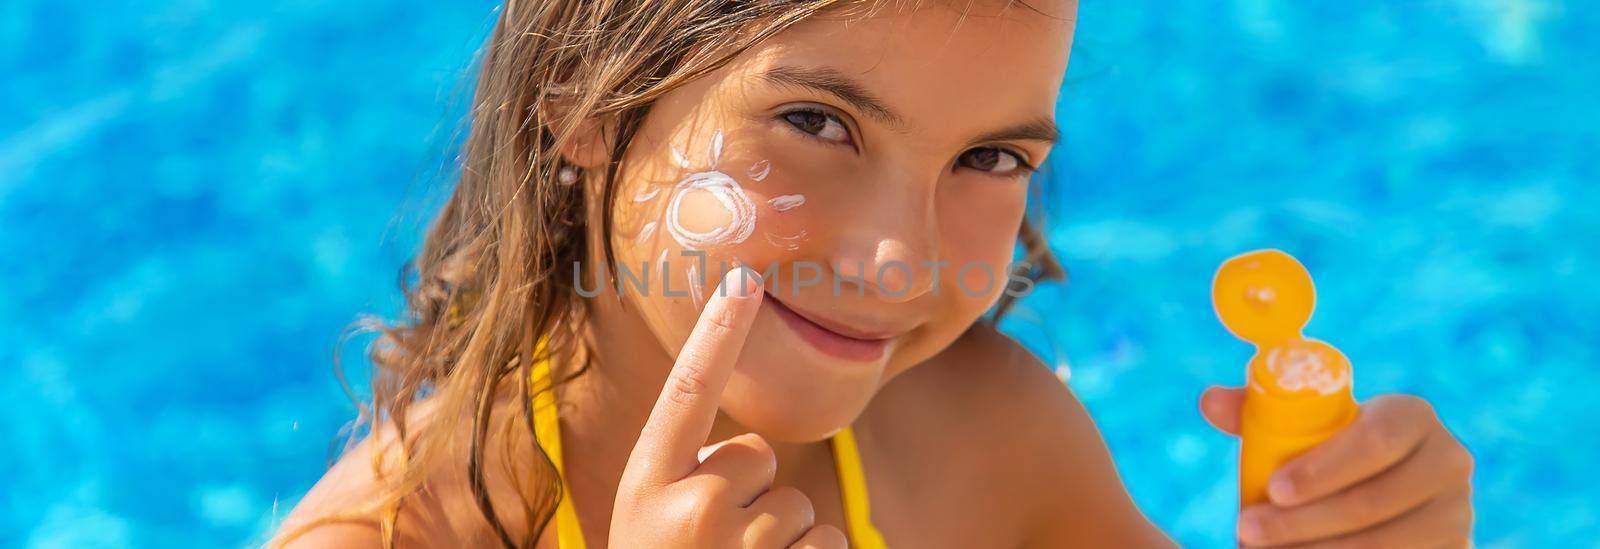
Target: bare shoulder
340, 510
330, 514
990, 405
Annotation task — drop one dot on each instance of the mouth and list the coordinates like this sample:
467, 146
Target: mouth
831, 338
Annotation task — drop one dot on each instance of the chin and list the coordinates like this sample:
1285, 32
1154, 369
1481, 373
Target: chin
786, 390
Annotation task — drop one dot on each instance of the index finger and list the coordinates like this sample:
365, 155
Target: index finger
682, 417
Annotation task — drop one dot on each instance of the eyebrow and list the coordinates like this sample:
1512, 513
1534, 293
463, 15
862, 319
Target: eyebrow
832, 82
835, 83
1039, 129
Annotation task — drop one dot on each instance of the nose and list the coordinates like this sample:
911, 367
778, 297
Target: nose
891, 251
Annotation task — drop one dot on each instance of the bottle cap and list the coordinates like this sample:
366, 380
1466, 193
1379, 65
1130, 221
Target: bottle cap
1264, 297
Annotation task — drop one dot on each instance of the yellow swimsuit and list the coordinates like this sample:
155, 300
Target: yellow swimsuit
846, 458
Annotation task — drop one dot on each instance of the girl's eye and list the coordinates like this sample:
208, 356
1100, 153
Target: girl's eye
994, 161
818, 124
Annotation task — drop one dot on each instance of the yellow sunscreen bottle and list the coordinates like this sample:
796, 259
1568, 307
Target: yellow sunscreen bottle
1297, 389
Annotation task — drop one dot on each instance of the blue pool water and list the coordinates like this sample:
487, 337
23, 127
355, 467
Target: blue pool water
197, 196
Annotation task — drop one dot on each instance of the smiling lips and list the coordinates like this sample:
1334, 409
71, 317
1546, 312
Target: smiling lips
831, 338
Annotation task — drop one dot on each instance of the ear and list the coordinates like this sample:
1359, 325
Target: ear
590, 145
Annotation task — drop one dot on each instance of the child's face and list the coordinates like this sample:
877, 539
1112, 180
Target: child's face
910, 174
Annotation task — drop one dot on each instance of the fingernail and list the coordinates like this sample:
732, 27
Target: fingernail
1249, 530
1279, 489
741, 282
707, 450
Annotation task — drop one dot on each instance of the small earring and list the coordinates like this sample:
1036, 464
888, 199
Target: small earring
567, 175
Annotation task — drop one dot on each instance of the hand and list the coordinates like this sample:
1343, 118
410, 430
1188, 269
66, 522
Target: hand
1393, 478
675, 493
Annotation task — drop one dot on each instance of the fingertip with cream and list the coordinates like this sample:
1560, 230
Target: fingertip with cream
741, 282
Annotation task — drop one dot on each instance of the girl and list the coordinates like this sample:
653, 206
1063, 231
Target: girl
576, 372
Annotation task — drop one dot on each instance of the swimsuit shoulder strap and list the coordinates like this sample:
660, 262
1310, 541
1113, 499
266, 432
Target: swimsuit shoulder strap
547, 427
853, 488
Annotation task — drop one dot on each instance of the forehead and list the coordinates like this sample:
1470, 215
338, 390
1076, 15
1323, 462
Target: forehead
979, 59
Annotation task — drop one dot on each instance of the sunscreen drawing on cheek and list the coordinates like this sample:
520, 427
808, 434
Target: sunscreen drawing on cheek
787, 202
790, 243
648, 231
695, 289
759, 170
725, 191
716, 148
717, 190
782, 204
680, 159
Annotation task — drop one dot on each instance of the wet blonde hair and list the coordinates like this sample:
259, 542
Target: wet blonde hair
493, 280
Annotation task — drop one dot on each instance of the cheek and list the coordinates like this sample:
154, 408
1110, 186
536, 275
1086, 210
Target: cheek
979, 225
731, 204
709, 210
788, 215
701, 212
